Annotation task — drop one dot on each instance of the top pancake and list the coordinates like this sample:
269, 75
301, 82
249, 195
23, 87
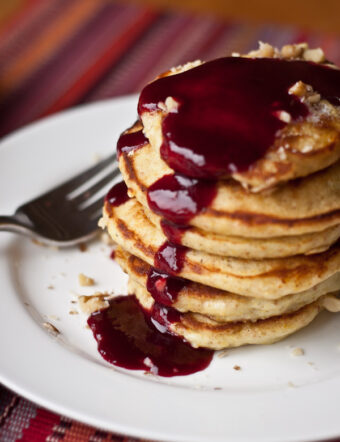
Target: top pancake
302, 146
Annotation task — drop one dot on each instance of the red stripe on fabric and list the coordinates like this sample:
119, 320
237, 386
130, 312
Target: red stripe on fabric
171, 54
136, 64
33, 27
212, 38
140, 74
19, 17
119, 46
40, 426
48, 82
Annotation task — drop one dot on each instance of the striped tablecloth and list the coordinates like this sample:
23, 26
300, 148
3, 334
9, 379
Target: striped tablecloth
59, 53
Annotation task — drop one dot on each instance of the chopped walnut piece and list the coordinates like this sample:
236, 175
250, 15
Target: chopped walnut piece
299, 51
299, 89
51, 328
284, 116
161, 106
90, 304
85, 280
305, 92
237, 367
316, 55
185, 67
265, 50
171, 105
73, 312
294, 50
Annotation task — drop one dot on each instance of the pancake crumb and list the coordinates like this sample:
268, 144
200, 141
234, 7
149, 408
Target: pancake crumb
51, 328
84, 280
50, 287
237, 367
223, 353
90, 304
73, 312
297, 351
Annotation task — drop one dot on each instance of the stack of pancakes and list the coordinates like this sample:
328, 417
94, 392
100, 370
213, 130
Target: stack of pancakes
262, 259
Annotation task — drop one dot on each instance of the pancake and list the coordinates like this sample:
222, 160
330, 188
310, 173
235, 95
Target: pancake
266, 278
299, 149
251, 248
289, 210
223, 306
201, 331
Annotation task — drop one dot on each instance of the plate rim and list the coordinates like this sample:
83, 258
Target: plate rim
23, 387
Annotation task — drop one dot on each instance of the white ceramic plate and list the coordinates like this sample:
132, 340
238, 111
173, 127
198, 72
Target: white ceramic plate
274, 397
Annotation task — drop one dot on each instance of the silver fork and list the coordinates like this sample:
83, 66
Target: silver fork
64, 216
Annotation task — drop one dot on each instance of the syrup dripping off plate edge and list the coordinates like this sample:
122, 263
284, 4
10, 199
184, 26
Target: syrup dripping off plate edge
73, 380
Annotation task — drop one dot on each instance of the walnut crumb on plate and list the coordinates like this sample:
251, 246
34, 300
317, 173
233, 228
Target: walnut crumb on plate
90, 304
297, 351
84, 280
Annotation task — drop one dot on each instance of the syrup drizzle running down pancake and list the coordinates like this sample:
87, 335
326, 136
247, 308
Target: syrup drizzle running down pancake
131, 337
117, 195
130, 141
163, 288
179, 198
